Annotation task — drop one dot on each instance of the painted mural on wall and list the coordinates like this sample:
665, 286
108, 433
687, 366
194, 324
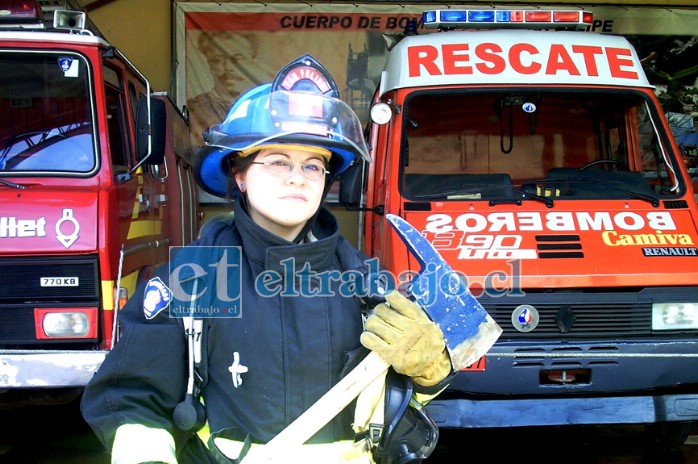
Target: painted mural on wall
224, 50
226, 54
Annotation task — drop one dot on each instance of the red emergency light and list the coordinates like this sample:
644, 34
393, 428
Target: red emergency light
20, 12
539, 16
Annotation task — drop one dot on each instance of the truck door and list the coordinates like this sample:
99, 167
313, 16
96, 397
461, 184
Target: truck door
134, 199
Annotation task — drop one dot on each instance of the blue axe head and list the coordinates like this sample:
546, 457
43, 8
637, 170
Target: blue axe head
469, 331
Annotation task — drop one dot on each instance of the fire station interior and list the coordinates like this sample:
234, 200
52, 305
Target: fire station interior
129, 24
490, 145
494, 145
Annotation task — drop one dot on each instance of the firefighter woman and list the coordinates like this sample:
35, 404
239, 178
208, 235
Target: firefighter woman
264, 337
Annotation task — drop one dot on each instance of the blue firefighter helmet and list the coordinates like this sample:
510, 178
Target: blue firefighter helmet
301, 107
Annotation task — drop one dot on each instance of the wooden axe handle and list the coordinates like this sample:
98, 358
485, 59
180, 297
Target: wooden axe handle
327, 407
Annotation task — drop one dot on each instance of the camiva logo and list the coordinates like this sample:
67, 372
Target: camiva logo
613, 238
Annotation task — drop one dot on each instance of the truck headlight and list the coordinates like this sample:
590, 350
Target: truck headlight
53, 323
381, 113
673, 316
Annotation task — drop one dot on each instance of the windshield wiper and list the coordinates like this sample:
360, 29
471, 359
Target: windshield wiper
654, 201
12, 184
547, 200
450, 193
468, 192
614, 184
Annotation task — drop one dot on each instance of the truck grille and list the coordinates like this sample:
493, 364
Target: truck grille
21, 291
585, 315
21, 279
590, 321
17, 325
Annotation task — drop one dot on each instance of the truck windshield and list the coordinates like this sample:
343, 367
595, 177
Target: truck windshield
46, 115
538, 146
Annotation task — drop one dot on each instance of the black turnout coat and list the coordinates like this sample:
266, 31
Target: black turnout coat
295, 348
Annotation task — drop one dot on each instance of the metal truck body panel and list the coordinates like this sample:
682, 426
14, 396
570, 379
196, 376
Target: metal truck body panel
95, 186
541, 166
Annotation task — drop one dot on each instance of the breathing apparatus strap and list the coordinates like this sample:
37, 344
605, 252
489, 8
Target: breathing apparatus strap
369, 415
189, 414
235, 442
193, 328
193, 331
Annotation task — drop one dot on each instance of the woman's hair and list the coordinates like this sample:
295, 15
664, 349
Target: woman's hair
240, 164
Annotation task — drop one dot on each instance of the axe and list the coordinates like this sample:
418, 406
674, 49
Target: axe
469, 332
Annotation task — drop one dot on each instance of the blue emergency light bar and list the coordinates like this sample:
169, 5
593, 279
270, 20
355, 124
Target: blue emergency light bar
451, 18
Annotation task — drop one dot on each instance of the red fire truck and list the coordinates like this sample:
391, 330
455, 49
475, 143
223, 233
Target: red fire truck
540, 164
95, 186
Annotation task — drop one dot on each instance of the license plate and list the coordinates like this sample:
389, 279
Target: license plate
60, 281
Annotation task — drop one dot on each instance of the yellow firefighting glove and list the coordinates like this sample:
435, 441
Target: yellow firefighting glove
402, 333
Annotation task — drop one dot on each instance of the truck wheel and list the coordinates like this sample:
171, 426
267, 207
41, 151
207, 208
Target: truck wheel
668, 435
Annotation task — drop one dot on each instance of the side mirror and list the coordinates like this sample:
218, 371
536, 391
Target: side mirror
155, 132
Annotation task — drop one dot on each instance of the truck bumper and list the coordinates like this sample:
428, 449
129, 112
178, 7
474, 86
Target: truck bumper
48, 369
464, 413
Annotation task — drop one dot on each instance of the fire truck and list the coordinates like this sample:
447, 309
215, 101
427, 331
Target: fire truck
536, 158
95, 186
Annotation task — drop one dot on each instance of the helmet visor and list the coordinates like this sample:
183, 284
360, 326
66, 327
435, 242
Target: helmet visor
301, 117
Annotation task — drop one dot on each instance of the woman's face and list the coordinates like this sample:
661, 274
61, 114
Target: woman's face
282, 202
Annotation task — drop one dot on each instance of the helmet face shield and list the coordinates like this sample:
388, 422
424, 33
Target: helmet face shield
293, 117
300, 107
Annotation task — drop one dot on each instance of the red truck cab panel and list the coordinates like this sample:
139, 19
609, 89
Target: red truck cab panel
87, 211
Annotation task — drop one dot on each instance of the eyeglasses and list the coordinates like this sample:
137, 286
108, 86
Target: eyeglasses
311, 170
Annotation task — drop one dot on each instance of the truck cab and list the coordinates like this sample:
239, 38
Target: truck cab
95, 186
540, 164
